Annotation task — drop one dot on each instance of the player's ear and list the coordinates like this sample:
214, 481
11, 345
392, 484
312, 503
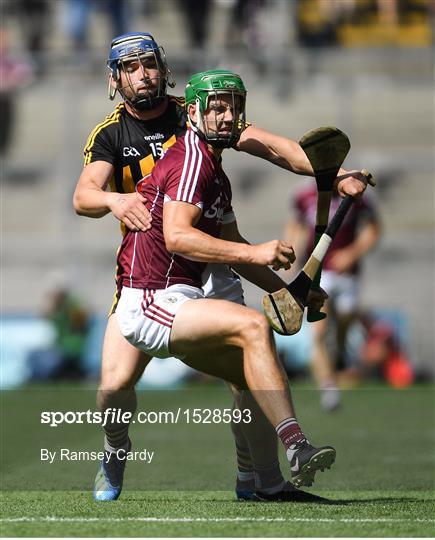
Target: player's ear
112, 87
191, 111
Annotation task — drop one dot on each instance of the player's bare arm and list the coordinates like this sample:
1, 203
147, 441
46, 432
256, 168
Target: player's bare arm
262, 276
181, 237
288, 154
92, 199
281, 151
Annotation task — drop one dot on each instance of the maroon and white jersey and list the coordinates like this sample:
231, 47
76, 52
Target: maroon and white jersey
188, 173
305, 206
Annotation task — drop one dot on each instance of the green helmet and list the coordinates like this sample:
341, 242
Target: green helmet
212, 84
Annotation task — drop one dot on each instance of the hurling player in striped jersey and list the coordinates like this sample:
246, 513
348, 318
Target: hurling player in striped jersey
162, 308
119, 152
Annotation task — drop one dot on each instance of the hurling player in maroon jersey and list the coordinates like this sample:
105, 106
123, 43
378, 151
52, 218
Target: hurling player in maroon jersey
358, 234
119, 152
162, 308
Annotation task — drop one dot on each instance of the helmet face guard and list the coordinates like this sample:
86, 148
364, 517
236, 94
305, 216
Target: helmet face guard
215, 91
141, 48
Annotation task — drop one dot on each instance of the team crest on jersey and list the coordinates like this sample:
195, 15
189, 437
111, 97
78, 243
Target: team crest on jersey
170, 300
130, 151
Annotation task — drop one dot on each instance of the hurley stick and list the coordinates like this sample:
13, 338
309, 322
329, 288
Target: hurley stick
326, 149
284, 309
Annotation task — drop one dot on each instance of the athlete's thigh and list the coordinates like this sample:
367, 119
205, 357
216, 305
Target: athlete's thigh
224, 362
122, 363
204, 325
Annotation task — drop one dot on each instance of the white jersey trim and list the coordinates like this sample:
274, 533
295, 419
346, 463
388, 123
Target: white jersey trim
198, 169
191, 168
167, 199
133, 260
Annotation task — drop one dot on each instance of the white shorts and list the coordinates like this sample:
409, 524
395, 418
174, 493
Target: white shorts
145, 317
342, 290
220, 282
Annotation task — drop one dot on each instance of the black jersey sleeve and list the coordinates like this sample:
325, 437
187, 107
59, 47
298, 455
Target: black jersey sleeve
102, 143
101, 146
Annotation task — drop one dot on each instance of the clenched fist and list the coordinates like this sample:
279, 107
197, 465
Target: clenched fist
353, 182
275, 253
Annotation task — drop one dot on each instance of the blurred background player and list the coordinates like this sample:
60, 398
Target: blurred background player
340, 279
197, 21
77, 18
120, 151
15, 73
382, 353
70, 320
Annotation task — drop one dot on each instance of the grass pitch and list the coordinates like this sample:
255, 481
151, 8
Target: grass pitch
192, 514
381, 485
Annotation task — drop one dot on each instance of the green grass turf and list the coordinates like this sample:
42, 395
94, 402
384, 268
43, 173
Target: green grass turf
350, 513
381, 485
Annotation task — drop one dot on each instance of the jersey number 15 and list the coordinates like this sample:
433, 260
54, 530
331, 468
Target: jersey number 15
157, 149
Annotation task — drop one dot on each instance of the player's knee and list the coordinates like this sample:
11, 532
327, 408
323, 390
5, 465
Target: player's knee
255, 327
117, 380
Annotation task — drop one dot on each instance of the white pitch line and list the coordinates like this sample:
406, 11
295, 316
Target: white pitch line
49, 519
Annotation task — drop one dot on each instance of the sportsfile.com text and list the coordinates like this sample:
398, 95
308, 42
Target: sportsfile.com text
179, 415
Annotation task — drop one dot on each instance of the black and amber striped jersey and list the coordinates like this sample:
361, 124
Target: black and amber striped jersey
133, 146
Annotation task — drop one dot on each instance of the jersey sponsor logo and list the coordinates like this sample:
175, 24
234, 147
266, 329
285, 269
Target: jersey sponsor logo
154, 137
130, 151
215, 210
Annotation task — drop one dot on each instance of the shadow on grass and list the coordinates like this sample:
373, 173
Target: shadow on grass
374, 500
323, 502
